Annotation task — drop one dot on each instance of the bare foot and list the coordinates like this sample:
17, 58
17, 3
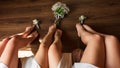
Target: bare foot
88, 28
80, 29
28, 30
52, 29
47, 40
23, 39
58, 34
84, 34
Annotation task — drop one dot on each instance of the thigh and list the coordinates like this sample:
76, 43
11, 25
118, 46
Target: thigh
112, 51
95, 51
54, 55
42, 56
3, 44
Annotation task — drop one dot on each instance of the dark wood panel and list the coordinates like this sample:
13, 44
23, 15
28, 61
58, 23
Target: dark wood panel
103, 16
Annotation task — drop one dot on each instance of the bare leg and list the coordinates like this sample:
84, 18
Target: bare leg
55, 50
3, 44
95, 50
42, 53
9, 55
6, 56
112, 45
14, 59
112, 52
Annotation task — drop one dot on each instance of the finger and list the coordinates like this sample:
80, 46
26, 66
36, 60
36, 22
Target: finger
12, 36
32, 36
24, 34
19, 34
28, 31
88, 28
81, 30
27, 40
29, 28
16, 35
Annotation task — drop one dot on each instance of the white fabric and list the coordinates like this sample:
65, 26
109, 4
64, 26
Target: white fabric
3, 65
31, 63
83, 65
66, 61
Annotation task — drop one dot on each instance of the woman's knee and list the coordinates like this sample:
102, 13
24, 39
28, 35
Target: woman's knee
111, 38
55, 47
95, 38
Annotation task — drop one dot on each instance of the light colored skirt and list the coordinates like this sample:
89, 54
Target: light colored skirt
3, 65
65, 62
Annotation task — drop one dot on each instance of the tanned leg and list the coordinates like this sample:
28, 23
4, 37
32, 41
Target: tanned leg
112, 45
95, 49
3, 44
9, 55
42, 53
55, 50
112, 51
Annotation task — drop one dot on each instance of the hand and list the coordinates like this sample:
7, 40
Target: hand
25, 38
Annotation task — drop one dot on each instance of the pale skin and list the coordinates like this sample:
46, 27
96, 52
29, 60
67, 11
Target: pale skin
50, 52
101, 50
9, 47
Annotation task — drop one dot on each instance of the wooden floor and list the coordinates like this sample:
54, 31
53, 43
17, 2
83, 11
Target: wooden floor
103, 16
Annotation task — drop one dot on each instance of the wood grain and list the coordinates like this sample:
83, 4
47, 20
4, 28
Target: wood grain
103, 16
